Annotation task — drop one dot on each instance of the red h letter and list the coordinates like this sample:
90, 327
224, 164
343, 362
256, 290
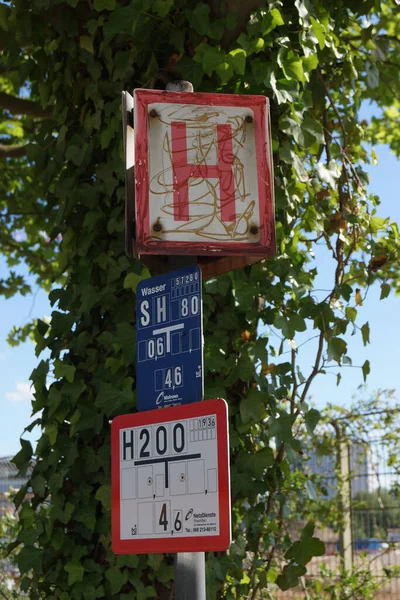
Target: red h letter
182, 172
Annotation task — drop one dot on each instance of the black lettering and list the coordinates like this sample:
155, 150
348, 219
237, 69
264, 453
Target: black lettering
126, 445
144, 433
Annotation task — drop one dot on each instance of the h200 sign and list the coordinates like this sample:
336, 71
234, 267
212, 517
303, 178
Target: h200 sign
169, 339
170, 480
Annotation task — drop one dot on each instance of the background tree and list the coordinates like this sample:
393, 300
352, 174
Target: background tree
62, 69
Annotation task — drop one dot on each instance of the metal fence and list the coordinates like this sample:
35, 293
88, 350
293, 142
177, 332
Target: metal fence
362, 480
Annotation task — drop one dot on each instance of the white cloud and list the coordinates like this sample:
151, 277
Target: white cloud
22, 393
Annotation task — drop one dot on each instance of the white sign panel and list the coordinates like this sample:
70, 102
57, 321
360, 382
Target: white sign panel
203, 173
172, 480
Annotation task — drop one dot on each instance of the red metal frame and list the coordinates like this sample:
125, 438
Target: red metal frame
212, 543
144, 242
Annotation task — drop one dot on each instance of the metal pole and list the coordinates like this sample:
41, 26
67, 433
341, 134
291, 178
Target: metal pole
190, 576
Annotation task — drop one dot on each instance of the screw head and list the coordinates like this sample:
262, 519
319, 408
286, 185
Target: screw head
157, 227
249, 119
149, 481
153, 113
181, 477
254, 230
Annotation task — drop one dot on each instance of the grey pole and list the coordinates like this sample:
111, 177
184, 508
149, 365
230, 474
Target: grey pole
190, 576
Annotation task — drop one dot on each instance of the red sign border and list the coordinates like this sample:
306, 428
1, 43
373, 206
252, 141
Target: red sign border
182, 544
266, 246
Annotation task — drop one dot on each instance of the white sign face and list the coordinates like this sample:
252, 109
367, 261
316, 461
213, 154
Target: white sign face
203, 174
169, 482
169, 479
213, 204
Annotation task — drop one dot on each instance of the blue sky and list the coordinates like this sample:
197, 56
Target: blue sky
16, 364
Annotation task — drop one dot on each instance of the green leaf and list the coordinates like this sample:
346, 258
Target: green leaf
86, 42
302, 551
252, 407
116, 577
311, 418
39, 485
224, 70
162, 7
314, 130
310, 489
75, 571
255, 463
329, 174
190, 70
319, 32
104, 495
299, 167
52, 432
351, 313
365, 333
63, 369
30, 558
291, 65
22, 458
100, 5
282, 427
272, 19
336, 348
366, 370
385, 291
209, 57
307, 531
131, 281
289, 577
238, 60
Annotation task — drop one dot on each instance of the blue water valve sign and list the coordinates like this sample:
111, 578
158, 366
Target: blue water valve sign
169, 359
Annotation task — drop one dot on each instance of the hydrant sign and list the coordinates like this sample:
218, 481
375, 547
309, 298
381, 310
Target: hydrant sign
169, 339
170, 480
203, 174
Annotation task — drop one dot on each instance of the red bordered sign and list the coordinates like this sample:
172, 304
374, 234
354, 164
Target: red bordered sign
203, 174
170, 480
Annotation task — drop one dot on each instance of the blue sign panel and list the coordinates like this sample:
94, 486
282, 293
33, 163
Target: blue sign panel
169, 339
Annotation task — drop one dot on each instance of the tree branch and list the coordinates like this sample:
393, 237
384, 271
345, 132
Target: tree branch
13, 151
20, 106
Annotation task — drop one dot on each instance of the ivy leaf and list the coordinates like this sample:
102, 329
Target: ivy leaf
100, 5
30, 558
22, 458
209, 57
190, 70
75, 571
272, 19
238, 60
291, 65
62, 369
131, 281
116, 577
104, 495
319, 32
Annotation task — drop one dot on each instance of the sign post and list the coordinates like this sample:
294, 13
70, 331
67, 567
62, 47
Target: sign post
199, 191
